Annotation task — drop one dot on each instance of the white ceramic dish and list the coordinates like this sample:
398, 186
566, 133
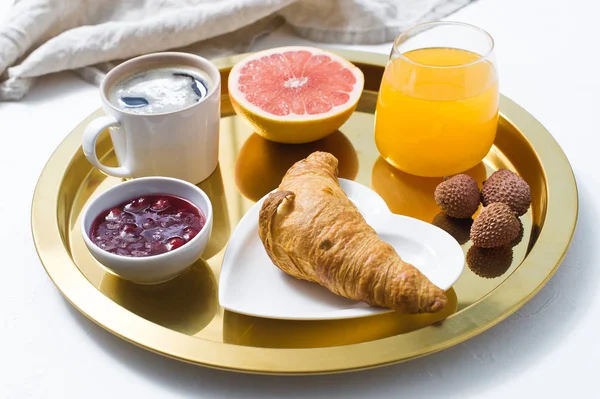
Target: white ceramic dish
157, 268
251, 284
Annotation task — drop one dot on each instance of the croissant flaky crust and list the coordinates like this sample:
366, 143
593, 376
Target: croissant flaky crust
312, 231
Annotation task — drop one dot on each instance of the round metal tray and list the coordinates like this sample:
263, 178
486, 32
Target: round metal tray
182, 318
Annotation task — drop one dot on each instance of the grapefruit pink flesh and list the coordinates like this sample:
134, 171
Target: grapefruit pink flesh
296, 82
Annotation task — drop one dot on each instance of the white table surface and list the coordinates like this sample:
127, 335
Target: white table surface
548, 57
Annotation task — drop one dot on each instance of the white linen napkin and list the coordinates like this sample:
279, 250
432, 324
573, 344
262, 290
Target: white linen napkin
39, 37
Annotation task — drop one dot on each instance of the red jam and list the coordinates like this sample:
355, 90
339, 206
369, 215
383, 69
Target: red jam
146, 226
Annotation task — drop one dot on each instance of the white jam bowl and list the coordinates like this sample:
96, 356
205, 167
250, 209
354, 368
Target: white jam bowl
151, 269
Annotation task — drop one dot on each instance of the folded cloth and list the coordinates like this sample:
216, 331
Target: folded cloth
39, 37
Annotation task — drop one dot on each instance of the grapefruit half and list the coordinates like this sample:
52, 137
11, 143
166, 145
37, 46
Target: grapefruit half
295, 94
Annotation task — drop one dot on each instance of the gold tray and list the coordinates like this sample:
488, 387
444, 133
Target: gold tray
182, 319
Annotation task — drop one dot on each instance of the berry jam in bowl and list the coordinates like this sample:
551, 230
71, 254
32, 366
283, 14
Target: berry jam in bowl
148, 230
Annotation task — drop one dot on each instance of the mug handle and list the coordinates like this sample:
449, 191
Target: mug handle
90, 137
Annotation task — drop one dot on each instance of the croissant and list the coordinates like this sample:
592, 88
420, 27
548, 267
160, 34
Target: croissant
312, 231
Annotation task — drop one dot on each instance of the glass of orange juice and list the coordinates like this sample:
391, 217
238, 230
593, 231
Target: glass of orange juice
437, 109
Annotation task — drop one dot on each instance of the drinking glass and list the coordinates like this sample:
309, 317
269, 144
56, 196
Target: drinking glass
437, 109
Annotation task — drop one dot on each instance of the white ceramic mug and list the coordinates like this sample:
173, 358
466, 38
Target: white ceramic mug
183, 144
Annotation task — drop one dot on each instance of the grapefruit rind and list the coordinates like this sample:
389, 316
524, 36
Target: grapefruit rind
294, 128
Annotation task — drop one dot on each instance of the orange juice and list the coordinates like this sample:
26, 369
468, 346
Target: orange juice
437, 111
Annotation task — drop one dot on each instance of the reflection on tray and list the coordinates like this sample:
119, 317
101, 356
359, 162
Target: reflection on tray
489, 262
411, 195
460, 229
213, 187
261, 163
245, 330
185, 304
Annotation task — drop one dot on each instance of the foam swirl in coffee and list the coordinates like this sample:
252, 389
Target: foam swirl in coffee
160, 90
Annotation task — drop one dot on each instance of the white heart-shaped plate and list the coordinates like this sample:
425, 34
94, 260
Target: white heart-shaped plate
251, 284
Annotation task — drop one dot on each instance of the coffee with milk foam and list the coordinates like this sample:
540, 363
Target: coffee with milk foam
160, 90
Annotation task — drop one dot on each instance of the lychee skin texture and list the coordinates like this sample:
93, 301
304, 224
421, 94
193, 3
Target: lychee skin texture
509, 188
458, 196
495, 226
